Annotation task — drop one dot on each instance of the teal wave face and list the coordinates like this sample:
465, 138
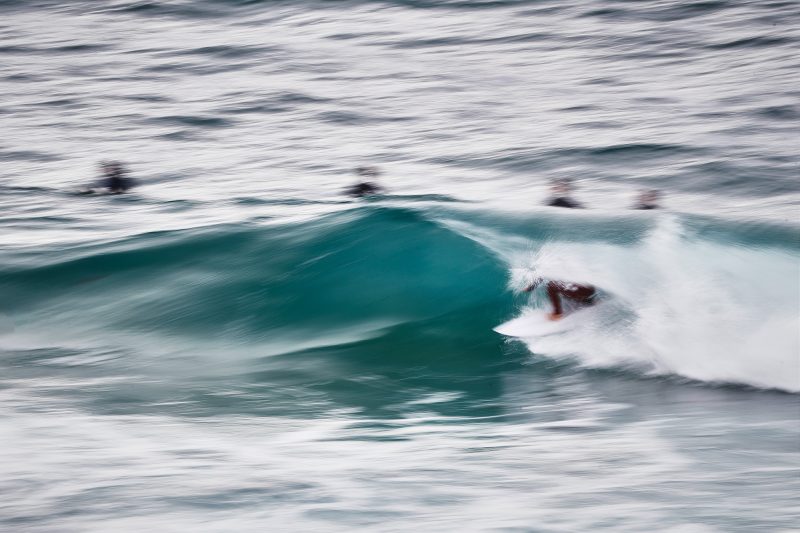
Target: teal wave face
367, 265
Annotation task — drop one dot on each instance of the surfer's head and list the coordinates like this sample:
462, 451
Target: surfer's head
649, 197
561, 187
109, 167
368, 172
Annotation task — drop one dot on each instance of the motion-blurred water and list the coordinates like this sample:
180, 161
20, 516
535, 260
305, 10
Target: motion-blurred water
237, 346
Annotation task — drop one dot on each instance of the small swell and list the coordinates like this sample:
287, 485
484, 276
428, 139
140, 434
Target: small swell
194, 121
752, 42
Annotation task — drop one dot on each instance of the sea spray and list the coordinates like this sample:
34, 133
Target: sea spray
705, 310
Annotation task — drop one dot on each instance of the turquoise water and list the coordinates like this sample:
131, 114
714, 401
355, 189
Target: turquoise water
237, 346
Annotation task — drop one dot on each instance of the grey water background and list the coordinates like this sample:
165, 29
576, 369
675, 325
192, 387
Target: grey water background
237, 346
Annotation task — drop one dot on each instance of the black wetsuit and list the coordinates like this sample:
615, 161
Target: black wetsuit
646, 206
363, 189
563, 201
116, 182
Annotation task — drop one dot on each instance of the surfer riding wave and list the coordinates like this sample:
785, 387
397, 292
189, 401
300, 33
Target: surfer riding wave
580, 295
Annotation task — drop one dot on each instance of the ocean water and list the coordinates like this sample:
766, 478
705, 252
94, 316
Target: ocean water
237, 346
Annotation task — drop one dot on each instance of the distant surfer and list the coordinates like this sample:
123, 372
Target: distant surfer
582, 295
561, 190
365, 187
114, 178
647, 200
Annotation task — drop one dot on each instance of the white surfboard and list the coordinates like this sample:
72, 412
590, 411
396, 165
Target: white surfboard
535, 323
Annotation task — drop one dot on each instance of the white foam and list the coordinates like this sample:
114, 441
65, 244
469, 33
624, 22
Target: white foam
702, 310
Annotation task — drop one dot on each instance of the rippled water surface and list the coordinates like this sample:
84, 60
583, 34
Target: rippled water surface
236, 345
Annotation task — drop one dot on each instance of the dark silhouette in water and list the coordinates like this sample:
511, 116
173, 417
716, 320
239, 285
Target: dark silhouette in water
581, 294
648, 200
561, 190
114, 179
365, 187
